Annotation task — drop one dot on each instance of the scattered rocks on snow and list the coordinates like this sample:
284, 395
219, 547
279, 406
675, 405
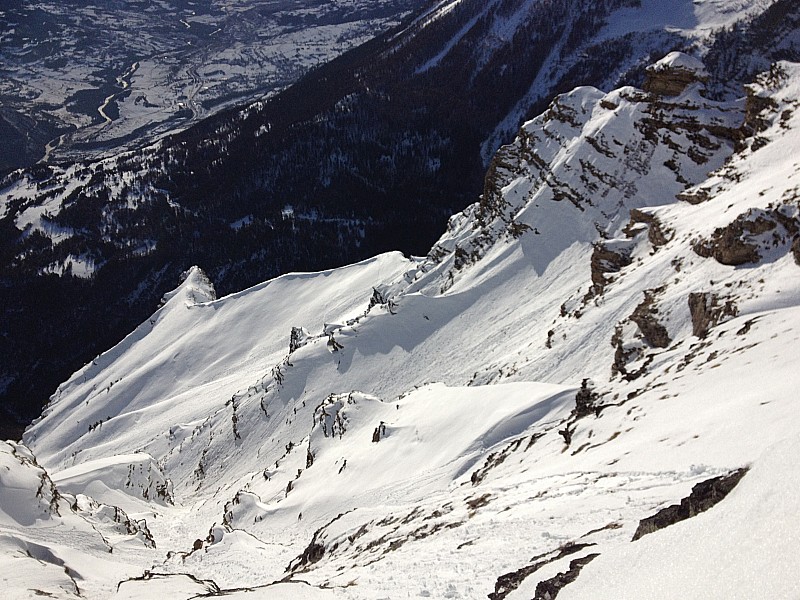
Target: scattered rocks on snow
330, 415
752, 235
511, 581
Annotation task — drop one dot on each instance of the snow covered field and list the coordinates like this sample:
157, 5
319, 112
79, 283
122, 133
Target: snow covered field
612, 324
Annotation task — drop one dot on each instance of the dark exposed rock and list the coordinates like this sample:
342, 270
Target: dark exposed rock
549, 343
727, 247
669, 81
492, 202
623, 356
656, 232
495, 459
377, 298
333, 345
644, 316
478, 502
379, 432
697, 196
796, 250
549, 588
756, 105
298, 338
312, 554
315, 549
707, 310
704, 495
511, 581
566, 433
607, 259
585, 400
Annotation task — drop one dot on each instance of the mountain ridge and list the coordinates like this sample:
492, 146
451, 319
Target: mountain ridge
427, 425
363, 156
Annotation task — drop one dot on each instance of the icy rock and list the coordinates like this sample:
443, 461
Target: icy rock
298, 338
215, 534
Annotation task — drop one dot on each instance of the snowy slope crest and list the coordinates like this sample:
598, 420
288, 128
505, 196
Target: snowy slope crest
28, 493
49, 538
136, 475
635, 253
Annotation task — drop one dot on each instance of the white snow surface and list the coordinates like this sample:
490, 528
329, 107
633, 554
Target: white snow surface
418, 439
679, 60
691, 17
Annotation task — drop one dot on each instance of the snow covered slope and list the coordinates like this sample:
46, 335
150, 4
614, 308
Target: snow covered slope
607, 332
57, 545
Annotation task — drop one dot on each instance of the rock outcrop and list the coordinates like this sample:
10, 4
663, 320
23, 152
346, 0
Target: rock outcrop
707, 310
645, 316
704, 495
673, 74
